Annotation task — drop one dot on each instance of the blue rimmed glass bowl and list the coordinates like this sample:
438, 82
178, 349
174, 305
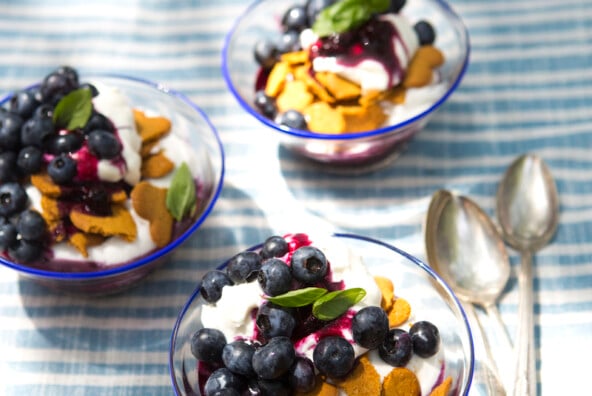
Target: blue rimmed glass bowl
192, 125
430, 298
353, 152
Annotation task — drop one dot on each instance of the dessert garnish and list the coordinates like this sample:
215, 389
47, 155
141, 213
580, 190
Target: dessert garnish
77, 164
259, 338
346, 66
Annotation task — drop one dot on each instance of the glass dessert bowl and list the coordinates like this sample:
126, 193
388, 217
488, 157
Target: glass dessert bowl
115, 172
351, 263
362, 100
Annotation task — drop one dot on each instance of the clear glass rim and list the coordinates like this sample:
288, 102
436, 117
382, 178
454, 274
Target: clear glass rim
457, 304
92, 275
342, 137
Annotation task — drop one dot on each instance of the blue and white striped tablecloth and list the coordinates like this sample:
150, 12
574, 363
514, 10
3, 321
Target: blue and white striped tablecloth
528, 89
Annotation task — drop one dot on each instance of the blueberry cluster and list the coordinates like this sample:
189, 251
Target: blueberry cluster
297, 18
32, 142
269, 365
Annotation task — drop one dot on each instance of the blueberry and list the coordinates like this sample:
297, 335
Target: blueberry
262, 387
13, 199
226, 392
314, 7
26, 251
334, 356
222, 379
36, 129
44, 110
273, 321
93, 90
397, 348
64, 143
302, 376
369, 327
58, 84
23, 103
295, 18
274, 358
98, 121
395, 6
425, 32
244, 267
237, 356
274, 246
8, 167
292, 119
103, 144
425, 337
266, 54
207, 345
30, 160
289, 42
265, 104
308, 265
31, 225
212, 284
10, 130
8, 234
274, 277
62, 169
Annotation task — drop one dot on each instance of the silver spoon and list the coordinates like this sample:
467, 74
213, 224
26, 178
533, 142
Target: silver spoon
528, 213
464, 247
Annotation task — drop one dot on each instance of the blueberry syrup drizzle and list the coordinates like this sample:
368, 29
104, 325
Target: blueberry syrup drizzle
371, 41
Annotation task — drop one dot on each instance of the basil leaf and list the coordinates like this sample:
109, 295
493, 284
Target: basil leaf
346, 15
73, 110
181, 196
298, 297
334, 304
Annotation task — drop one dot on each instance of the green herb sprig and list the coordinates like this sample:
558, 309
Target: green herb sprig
181, 197
325, 305
73, 110
346, 15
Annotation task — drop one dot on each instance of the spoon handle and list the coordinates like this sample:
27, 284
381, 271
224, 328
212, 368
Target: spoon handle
525, 381
494, 382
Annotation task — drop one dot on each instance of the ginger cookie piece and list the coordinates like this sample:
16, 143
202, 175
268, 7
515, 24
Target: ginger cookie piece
295, 57
43, 183
419, 72
295, 96
387, 289
401, 382
120, 223
148, 148
151, 128
396, 95
323, 118
399, 312
118, 196
443, 388
149, 202
362, 380
430, 55
277, 79
82, 241
339, 87
321, 388
303, 74
362, 118
156, 165
370, 97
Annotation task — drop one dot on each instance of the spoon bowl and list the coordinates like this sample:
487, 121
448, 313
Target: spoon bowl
465, 248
